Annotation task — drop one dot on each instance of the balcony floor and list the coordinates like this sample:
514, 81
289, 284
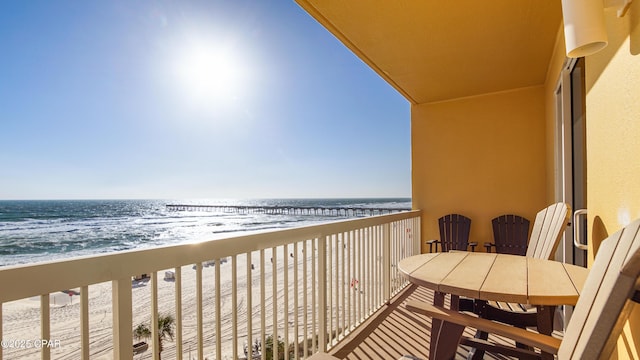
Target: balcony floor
395, 331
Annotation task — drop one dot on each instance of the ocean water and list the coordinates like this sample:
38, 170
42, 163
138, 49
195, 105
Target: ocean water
33, 231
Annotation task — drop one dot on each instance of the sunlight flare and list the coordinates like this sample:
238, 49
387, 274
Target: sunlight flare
211, 73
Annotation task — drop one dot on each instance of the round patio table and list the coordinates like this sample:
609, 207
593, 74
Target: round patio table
496, 277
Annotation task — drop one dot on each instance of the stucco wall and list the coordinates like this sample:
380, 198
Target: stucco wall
481, 157
613, 141
613, 127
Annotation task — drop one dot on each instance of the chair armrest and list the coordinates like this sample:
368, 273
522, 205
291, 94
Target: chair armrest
431, 243
473, 245
543, 342
488, 246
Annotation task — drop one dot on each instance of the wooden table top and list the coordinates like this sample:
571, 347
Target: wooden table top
497, 277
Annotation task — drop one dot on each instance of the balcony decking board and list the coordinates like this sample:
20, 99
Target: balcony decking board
395, 331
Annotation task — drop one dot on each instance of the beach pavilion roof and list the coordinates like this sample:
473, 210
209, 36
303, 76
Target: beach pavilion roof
437, 50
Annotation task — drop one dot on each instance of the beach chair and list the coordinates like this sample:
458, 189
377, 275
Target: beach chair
547, 231
510, 235
141, 277
454, 234
169, 276
545, 236
606, 300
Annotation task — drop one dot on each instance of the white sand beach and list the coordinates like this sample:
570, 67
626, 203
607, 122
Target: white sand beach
22, 318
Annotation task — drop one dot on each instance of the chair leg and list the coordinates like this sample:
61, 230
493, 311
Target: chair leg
484, 310
475, 353
436, 324
479, 308
445, 337
545, 324
447, 341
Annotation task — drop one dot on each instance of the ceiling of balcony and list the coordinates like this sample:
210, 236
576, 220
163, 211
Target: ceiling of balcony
437, 50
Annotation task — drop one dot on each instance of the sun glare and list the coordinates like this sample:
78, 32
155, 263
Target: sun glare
210, 73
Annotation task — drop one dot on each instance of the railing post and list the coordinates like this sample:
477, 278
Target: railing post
178, 305
155, 318
199, 325
263, 320
274, 292
45, 326
305, 282
386, 261
234, 309
122, 319
417, 235
84, 321
322, 292
249, 308
1, 304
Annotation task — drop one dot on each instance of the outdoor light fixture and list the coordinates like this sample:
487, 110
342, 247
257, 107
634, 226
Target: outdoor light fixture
584, 29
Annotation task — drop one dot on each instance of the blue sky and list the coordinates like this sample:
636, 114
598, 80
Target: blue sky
191, 99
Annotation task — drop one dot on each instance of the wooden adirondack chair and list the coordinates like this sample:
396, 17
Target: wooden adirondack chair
604, 305
547, 231
545, 236
510, 235
454, 234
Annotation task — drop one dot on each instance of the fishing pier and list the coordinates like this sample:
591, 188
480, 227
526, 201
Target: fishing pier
288, 210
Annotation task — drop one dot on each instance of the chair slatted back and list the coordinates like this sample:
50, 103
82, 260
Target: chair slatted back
510, 234
604, 303
547, 230
454, 232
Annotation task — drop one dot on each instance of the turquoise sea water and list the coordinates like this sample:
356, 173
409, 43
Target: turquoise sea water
33, 231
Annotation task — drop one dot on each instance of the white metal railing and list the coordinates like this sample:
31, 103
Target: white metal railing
306, 287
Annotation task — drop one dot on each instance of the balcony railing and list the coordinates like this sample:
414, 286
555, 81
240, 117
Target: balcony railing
308, 286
